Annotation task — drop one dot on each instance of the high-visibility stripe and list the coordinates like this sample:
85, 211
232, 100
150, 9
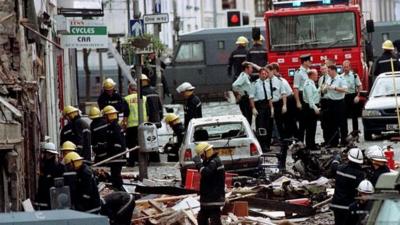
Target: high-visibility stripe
79, 146
221, 167
198, 105
339, 206
94, 210
85, 130
212, 203
258, 51
126, 205
112, 102
101, 155
346, 175
67, 131
239, 56
69, 173
152, 95
117, 145
100, 127
387, 60
201, 169
86, 196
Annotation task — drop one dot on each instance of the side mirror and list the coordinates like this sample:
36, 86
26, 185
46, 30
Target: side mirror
370, 26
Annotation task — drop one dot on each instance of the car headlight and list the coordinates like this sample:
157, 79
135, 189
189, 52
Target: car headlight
367, 113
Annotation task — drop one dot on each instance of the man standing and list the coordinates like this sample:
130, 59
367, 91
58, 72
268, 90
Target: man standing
352, 97
348, 176
311, 111
323, 82
242, 88
261, 105
154, 106
298, 84
383, 64
238, 56
212, 184
337, 124
98, 129
192, 105
257, 54
77, 131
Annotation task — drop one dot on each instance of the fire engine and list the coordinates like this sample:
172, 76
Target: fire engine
325, 29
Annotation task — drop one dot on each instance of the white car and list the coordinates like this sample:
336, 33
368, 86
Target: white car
230, 135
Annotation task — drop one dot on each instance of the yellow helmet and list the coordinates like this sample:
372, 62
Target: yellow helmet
108, 84
109, 110
69, 109
388, 45
73, 157
171, 117
204, 148
242, 40
94, 112
144, 77
68, 146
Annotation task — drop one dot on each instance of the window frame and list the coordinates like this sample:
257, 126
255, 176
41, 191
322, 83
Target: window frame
190, 62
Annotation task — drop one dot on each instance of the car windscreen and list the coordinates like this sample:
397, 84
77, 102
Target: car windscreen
389, 212
216, 131
384, 87
302, 32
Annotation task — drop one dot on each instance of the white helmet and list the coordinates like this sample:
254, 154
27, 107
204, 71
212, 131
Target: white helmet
377, 155
366, 186
355, 155
371, 149
50, 147
185, 86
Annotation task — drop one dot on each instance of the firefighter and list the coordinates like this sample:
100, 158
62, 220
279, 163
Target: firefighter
335, 93
77, 131
50, 168
66, 148
212, 184
237, 57
115, 145
378, 163
383, 64
261, 106
257, 55
133, 121
360, 208
118, 207
242, 88
192, 106
154, 106
352, 97
323, 82
98, 129
348, 176
311, 110
86, 196
298, 84
179, 131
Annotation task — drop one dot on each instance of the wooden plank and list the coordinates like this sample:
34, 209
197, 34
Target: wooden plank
191, 217
156, 206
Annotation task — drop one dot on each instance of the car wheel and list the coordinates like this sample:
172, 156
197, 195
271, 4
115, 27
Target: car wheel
367, 135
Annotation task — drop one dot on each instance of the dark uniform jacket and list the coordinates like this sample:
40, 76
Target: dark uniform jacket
237, 57
50, 170
98, 129
78, 132
154, 106
114, 100
359, 212
378, 172
258, 55
87, 194
383, 64
179, 132
348, 177
118, 207
192, 109
150, 71
115, 142
212, 182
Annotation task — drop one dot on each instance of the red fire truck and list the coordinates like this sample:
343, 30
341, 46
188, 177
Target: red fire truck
326, 29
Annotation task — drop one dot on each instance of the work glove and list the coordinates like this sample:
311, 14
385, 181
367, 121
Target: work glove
272, 112
284, 109
255, 112
298, 105
356, 99
197, 161
317, 111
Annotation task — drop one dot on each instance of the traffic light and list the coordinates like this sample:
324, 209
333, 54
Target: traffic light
234, 18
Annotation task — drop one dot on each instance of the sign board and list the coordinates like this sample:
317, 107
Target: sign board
137, 27
156, 18
85, 34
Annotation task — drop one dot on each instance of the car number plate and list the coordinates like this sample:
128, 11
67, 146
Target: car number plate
226, 151
392, 126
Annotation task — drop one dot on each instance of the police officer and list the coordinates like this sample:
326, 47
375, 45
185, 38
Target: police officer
115, 145
133, 121
77, 131
311, 110
66, 148
378, 163
323, 82
261, 105
335, 93
86, 196
352, 97
98, 129
237, 57
154, 106
118, 207
109, 96
348, 176
361, 207
257, 54
212, 184
298, 84
242, 88
50, 168
172, 149
192, 106
383, 64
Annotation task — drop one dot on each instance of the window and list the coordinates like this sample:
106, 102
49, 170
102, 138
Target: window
190, 52
228, 4
260, 7
222, 130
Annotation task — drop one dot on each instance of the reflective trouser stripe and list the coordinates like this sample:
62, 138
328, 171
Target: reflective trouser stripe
212, 203
339, 206
126, 205
100, 127
346, 175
